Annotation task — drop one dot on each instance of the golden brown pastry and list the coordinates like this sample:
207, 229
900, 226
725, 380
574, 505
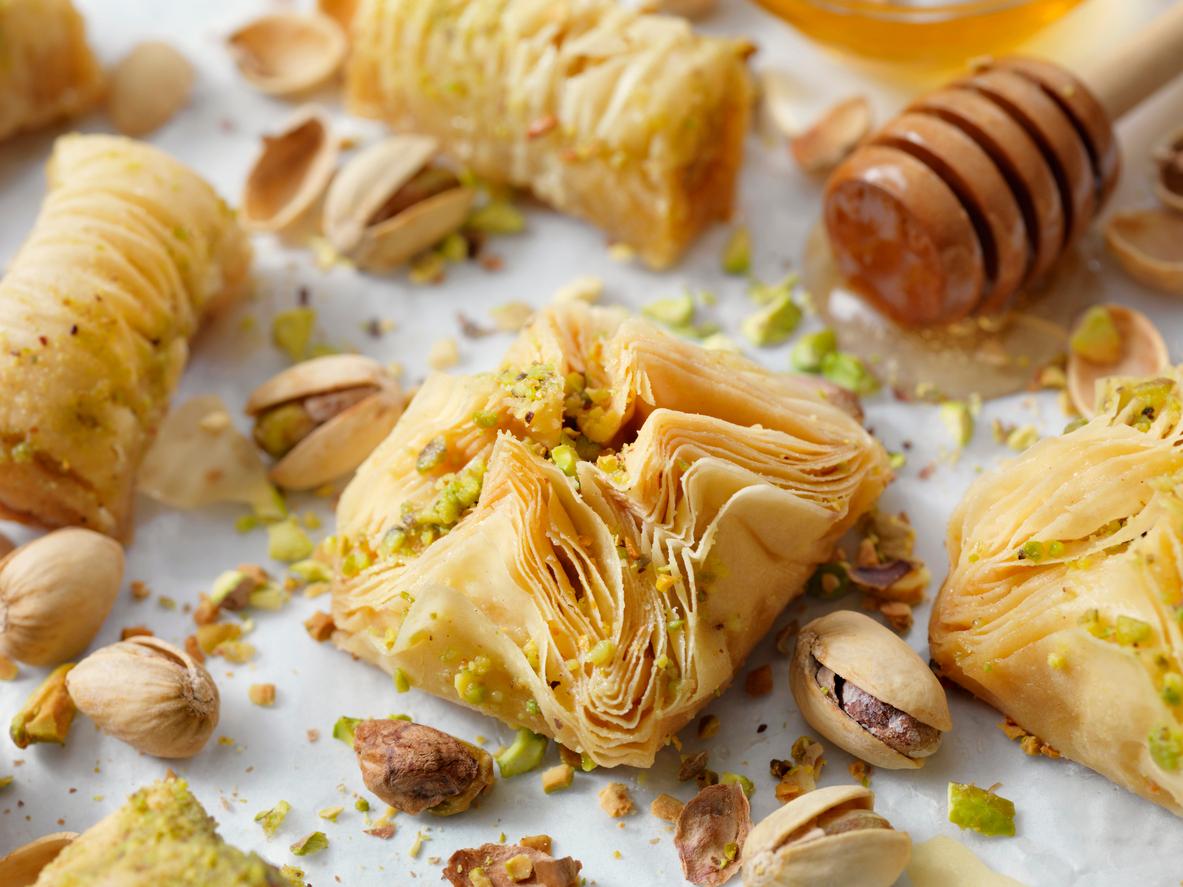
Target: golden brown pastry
1064, 603
630, 121
130, 253
589, 541
47, 70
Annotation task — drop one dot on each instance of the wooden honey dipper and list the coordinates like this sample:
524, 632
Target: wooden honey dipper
976, 189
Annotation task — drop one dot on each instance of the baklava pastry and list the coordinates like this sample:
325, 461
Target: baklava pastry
130, 253
160, 836
1064, 603
47, 71
628, 120
588, 542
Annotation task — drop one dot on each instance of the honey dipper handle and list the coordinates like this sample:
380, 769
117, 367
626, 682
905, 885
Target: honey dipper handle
1148, 60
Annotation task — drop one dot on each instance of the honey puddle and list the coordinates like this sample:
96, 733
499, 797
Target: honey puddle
990, 357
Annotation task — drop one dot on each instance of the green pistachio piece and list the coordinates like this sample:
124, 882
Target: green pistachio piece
310, 844
958, 418
272, 819
1096, 337
675, 311
497, 217
1166, 748
849, 372
774, 323
309, 570
47, 714
287, 542
980, 810
811, 349
291, 331
762, 293
828, 582
1131, 632
566, 457
278, 430
737, 254
343, 729
523, 755
749, 788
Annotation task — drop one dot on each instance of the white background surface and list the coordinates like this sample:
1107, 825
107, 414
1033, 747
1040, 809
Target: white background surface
1073, 826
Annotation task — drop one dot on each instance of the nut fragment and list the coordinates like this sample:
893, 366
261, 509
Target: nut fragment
495, 865
414, 768
149, 694
1149, 245
290, 174
867, 691
321, 418
21, 867
1112, 340
828, 836
47, 714
710, 834
835, 134
391, 202
55, 593
147, 87
287, 53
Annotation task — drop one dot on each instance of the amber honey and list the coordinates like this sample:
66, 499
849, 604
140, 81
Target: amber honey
920, 31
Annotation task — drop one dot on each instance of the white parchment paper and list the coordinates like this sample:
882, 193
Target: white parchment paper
1074, 828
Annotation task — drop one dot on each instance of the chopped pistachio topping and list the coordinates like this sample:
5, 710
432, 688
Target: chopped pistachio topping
1172, 688
344, 728
749, 787
497, 217
1131, 632
402, 683
272, 819
287, 542
566, 457
601, 654
291, 331
432, 455
1166, 748
675, 311
829, 582
1096, 337
1022, 438
485, 419
981, 810
850, 372
519, 867
737, 253
310, 844
523, 755
47, 714
763, 293
958, 418
310, 570
330, 813
811, 349
774, 323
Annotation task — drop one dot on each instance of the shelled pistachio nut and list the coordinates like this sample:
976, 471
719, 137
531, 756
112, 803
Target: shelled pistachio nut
55, 593
291, 172
827, 836
21, 867
859, 685
392, 201
146, 692
320, 419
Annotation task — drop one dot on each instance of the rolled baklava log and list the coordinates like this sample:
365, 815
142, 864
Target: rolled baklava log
1064, 602
131, 251
47, 70
589, 541
630, 121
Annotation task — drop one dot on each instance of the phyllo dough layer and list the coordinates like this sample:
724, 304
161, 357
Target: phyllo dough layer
590, 541
47, 70
630, 121
1064, 604
131, 251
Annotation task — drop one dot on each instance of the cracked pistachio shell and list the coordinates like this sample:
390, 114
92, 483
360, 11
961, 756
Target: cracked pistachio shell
55, 593
21, 867
321, 375
149, 694
288, 52
1149, 245
291, 172
1143, 354
367, 183
1169, 156
871, 857
864, 652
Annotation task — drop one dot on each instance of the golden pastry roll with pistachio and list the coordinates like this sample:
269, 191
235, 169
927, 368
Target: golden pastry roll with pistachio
1064, 603
131, 251
628, 120
590, 540
47, 70
160, 836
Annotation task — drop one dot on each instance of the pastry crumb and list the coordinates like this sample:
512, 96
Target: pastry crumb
615, 800
666, 808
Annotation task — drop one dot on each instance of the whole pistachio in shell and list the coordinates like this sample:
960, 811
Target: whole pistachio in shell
55, 593
392, 201
149, 694
863, 688
826, 836
320, 419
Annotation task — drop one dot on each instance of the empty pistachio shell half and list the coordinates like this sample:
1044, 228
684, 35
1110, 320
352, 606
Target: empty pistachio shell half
835, 134
55, 593
1169, 157
1139, 351
21, 867
859, 685
390, 202
288, 52
1149, 245
321, 418
291, 172
146, 692
827, 836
